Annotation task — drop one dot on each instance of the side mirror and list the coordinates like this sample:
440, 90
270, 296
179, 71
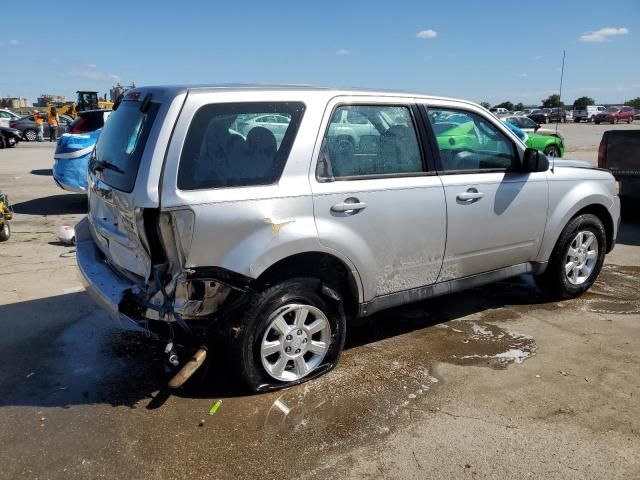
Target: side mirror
536, 128
534, 161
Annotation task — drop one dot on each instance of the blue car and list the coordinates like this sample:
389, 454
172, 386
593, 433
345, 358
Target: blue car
71, 159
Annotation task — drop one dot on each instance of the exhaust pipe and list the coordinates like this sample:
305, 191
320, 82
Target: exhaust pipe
189, 368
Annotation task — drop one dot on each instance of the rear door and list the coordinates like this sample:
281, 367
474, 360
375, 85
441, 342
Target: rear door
375, 199
495, 215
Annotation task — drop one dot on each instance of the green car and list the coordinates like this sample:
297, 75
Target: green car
550, 145
466, 136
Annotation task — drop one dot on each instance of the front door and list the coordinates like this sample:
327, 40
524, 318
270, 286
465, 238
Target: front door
375, 200
496, 215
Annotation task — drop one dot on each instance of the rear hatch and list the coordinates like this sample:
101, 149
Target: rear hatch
124, 174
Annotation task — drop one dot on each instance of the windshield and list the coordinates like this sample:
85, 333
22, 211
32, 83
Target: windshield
613, 109
121, 143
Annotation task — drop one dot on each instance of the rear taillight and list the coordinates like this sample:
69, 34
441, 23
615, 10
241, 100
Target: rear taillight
602, 153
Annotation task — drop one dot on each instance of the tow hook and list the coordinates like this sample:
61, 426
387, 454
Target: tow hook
189, 368
173, 355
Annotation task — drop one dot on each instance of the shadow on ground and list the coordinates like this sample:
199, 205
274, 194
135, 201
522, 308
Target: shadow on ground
56, 358
53, 205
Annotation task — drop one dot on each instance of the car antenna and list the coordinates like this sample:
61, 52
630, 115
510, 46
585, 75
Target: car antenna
553, 160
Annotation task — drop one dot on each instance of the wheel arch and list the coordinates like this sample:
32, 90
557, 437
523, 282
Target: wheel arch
322, 265
593, 204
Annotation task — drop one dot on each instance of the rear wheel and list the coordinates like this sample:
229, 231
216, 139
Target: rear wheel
30, 135
552, 151
4, 143
5, 232
629, 120
576, 259
287, 334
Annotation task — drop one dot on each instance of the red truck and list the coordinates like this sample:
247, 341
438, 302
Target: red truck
619, 152
615, 114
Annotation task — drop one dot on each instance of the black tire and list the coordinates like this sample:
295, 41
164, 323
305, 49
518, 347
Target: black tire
576, 120
245, 323
554, 280
30, 135
5, 232
546, 120
597, 123
629, 120
552, 151
3, 142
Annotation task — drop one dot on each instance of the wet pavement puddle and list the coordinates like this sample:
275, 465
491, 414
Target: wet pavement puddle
383, 379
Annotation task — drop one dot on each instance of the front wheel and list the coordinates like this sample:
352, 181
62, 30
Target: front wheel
576, 259
287, 334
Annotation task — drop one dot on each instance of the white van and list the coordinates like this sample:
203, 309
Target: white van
586, 113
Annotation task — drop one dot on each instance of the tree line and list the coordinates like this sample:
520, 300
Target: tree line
553, 101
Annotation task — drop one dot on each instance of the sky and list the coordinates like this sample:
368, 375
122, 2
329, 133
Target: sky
478, 50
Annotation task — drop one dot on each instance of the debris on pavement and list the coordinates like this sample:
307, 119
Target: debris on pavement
214, 408
67, 234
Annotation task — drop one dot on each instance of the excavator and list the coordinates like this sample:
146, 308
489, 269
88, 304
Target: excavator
87, 100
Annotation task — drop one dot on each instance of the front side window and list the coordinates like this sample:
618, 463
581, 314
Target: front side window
238, 144
369, 140
471, 142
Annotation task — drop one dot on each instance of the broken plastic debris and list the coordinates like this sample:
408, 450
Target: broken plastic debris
31, 375
563, 373
281, 405
67, 234
214, 408
537, 376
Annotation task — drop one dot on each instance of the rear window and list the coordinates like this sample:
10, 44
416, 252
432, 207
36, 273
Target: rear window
121, 143
238, 144
580, 109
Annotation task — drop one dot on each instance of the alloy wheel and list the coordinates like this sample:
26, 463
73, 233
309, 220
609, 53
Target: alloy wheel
295, 342
581, 257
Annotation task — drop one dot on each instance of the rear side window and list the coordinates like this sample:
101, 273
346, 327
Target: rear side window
121, 143
373, 140
238, 144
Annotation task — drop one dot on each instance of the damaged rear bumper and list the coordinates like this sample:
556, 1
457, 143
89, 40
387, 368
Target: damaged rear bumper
188, 298
101, 282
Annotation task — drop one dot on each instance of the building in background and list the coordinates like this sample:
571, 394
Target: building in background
118, 90
14, 102
45, 100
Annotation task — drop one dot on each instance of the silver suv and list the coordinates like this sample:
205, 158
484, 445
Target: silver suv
352, 202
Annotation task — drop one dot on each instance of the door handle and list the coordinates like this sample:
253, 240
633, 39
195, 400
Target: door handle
349, 206
470, 195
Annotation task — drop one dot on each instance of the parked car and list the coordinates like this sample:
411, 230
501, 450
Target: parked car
636, 116
9, 137
195, 231
586, 113
74, 148
614, 115
548, 115
29, 128
6, 116
550, 145
529, 126
619, 152
499, 111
